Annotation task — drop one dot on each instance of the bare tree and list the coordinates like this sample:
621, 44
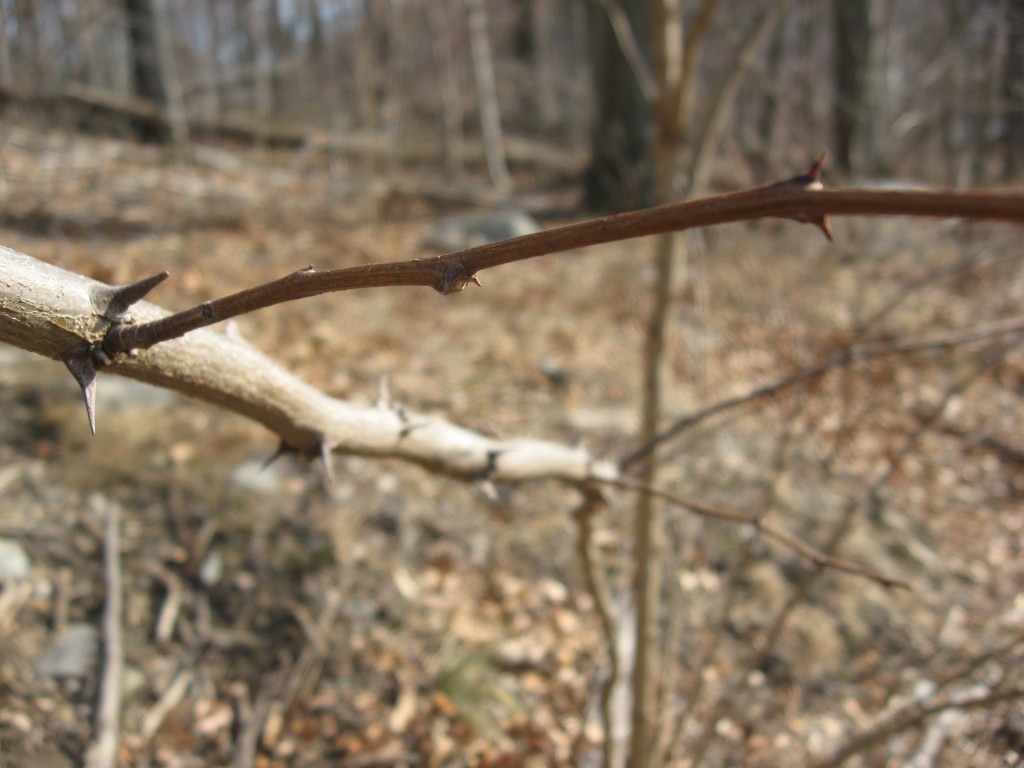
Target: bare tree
1013, 90
852, 36
144, 57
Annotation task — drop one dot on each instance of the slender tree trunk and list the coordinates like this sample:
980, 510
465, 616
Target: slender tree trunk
852, 32
263, 59
618, 176
542, 22
146, 77
1013, 91
487, 95
439, 24
177, 118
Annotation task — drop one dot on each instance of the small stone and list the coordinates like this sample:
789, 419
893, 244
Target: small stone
72, 654
14, 561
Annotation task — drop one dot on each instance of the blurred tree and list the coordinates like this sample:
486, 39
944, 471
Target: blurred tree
618, 176
1013, 90
852, 35
144, 64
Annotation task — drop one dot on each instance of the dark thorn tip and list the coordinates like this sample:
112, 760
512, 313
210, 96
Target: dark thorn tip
80, 363
113, 301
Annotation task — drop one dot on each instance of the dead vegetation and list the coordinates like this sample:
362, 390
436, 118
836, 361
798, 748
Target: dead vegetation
398, 618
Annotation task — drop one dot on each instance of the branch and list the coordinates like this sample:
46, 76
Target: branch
91, 325
912, 715
842, 359
788, 540
801, 198
48, 310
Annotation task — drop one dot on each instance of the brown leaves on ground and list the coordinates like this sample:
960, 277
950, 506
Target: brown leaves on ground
401, 619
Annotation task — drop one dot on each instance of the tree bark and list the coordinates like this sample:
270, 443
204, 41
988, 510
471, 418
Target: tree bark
619, 176
1013, 91
146, 77
852, 24
48, 311
487, 95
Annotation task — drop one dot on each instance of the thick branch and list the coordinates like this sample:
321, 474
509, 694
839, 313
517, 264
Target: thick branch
47, 310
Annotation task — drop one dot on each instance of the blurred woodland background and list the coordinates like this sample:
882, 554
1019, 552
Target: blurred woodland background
865, 396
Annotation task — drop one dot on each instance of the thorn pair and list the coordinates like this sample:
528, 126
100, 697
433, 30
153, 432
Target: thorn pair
84, 360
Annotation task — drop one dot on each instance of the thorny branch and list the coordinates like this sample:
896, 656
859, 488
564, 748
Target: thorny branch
801, 198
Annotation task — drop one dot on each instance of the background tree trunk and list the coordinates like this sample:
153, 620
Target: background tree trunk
1013, 90
852, 32
618, 176
144, 63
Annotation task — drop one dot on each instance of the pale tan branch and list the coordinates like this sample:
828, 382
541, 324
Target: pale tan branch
46, 310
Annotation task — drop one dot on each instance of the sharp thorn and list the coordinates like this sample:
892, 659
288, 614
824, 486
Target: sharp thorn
112, 301
83, 367
325, 457
815, 170
826, 227
384, 401
476, 280
282, 449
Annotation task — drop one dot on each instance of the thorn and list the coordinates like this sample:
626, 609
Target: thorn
283, 449
325, 457
384, 401
83, 365
824, 225
815, 170
489, 491
454, 277
113, 301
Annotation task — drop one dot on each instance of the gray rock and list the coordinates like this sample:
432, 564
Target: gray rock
14, 561
73, 653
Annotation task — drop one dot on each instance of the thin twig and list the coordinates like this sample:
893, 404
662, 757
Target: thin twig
841, 359
778, 535
103, 752
911, 716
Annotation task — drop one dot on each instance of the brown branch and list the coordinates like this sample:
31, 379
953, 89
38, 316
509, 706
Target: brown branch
801, 199
912, 716
47, 310
841, 359
775, 533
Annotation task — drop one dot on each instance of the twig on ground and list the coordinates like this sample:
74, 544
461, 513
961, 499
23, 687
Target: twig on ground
914, 714
597, 587
103, 752
304, 674
253, 716
169, 699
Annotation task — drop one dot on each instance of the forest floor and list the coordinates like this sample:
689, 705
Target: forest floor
399, 618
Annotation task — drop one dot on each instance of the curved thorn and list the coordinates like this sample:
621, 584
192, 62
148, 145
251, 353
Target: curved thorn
82, 364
